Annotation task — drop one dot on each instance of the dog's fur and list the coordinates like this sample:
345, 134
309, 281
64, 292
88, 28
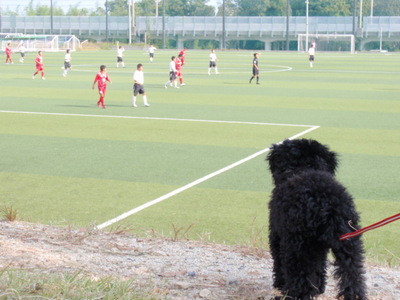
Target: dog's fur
309, 211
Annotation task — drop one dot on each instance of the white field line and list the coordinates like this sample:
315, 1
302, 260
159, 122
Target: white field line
152, 118
189, 185
192, 184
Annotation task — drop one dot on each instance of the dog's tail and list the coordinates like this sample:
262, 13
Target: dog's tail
373, 226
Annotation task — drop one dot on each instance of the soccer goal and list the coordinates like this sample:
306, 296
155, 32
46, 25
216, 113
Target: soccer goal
46, 43
327, 42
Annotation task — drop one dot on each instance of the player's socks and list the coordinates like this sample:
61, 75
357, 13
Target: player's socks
145, 101
134, 101
251, 79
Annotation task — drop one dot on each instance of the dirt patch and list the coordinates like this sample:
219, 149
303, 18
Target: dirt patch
182, 269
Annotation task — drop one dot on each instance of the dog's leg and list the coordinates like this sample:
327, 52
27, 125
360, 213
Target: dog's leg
349, 259
304, 265
274, 243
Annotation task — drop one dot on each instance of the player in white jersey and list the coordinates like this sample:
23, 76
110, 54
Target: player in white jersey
120, 56
67, 62
213, 62
311, 54
138, 86
151, 52
172, 74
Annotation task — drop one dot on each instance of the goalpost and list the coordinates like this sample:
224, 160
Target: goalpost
327, 42
46, 43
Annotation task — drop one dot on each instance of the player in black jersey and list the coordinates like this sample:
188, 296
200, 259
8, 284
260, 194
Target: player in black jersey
256, 70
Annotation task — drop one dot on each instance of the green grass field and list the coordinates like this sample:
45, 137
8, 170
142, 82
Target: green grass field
65, 162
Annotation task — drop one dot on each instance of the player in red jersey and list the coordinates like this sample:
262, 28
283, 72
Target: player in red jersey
179, 69
39, 65
9, 54
101, 79
183, 56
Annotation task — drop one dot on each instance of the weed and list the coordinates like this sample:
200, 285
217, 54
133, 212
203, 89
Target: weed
9, 213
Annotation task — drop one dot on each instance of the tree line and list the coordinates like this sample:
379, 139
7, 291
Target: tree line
232, 8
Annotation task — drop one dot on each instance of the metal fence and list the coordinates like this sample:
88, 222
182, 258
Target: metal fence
203, 27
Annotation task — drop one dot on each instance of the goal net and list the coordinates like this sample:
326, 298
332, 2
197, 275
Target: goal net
47, 43
327, 42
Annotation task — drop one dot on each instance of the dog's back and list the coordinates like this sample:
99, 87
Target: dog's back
309, 210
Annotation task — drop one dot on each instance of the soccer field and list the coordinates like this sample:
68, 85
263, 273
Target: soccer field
197, 154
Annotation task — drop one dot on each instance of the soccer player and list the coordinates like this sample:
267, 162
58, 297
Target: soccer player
101, 79
151, 52
120, 56
213, 62
183, 56
39, 65
67, 62
172, 73
256, 70
138, 86
179, 69
9, 54
21, 49
311, 54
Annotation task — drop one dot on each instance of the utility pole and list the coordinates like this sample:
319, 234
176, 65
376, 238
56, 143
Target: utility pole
287, 24
107, 20
51, 16
1, 26
306, 48
223, 24
354, 17
163, 25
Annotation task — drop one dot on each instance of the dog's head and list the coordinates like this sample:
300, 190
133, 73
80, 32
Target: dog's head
294, 156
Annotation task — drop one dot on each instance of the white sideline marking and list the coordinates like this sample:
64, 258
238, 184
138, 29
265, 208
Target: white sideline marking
192, 184
189, 185
152, 118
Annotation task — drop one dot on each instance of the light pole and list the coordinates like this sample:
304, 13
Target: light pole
306, 25
130, 21
163, 25
223, 24
287, 24
372, 8
51, 16
107, 20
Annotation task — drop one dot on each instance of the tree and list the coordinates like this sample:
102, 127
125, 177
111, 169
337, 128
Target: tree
386, 8
118, 7
231, 8
252, 7
277, 8
76, 11
323, 7
42, 10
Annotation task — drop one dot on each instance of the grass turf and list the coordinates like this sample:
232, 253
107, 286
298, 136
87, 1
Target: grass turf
82, 165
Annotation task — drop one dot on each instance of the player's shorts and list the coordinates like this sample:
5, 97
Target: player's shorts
103, 90
39, 67
213, 64
138, 89
179, 73
67, 65
256, 71
119, 59
151, 54
311, 58
22, 54
172, 76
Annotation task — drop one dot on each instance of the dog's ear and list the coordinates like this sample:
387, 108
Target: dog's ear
293, 156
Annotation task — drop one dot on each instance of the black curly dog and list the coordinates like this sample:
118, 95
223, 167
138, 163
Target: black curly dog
309, 211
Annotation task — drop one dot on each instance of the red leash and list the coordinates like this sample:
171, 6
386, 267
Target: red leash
373, 226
